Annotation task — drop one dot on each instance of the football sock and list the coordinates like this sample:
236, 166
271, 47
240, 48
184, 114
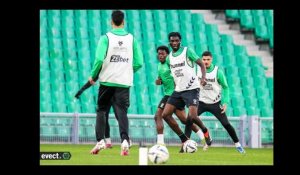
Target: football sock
108, 141
160, 139
237, 144
200, 134
183, 137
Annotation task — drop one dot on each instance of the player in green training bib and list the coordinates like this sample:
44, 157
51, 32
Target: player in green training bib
165, 78
210, 97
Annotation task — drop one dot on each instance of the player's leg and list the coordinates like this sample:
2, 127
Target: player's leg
107, 128
170, 107
104, 97
182, 117
121, 104
202, 107
215, 109
190, 99
159, 121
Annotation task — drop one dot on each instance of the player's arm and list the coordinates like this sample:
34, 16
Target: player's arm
191, 54
138, 59
225, 90
100, 55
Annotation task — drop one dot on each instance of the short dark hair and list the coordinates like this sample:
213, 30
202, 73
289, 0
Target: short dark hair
117, 17
174, 34
165, 48
207, 53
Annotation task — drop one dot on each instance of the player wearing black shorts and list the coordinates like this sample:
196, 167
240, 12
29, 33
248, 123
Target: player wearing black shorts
165, 79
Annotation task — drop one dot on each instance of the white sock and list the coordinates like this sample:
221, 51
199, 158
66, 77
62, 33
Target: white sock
200, 134
237, 144
160, 139
108, 140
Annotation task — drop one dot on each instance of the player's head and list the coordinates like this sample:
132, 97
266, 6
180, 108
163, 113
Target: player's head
175, 40
162, 53
207, 58
117, 19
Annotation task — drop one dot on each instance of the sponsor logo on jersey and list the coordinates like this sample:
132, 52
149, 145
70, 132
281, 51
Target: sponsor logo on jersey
177, 65
118, 58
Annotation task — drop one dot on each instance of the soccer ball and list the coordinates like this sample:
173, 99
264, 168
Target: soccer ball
158, 154
190, 146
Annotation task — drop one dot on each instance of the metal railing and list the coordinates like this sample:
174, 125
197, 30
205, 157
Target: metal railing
79, 128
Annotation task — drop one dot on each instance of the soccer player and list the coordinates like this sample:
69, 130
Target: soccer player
165, 78
118, 55
210, 96
181, 61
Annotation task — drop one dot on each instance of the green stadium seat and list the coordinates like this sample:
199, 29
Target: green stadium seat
74, 107
252, 111
56, 44
214, 48
247, 22
45, 106
55, 33
83, 45
45, 96
239, 111
270, 83
227, 49
88, 107
200, 48
261, 31
70, 44
68, 33
43, 13
54, 22
226, 39
185, 15
82, 33
67, 13
57, 74
266, 112
211, 28
231, 71
200, 38
229, 61
59, 106
251, 101
44, 64
240, 50
218, 59
172, 15
133, 15
242, 60
245, 71
232, 14
70, 65
258, 71
71, 75
173, 27
54, 13
146, 15
68, 23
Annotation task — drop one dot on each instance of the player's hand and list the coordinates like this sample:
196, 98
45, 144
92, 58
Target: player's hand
91, 80
158, 82
223, 108
203, 82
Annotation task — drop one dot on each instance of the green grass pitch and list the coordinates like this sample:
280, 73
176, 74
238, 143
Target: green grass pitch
213, 156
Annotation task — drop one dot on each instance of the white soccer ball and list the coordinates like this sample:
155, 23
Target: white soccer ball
190, 146
158, 154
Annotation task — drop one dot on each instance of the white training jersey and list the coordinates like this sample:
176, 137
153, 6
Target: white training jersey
211, 92
117, 65
183, 71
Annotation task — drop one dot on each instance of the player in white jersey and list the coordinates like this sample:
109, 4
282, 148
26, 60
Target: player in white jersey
118, 56
182, 65
210, 96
